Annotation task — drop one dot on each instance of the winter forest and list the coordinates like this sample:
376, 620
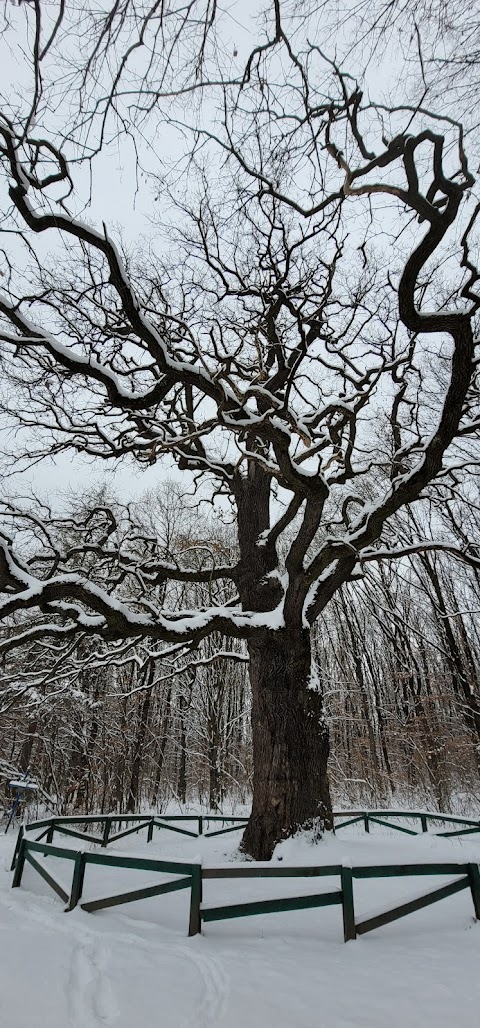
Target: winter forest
239, 408
399, 681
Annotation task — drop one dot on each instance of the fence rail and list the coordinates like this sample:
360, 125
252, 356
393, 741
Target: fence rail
137, 822
232, 823
192, 875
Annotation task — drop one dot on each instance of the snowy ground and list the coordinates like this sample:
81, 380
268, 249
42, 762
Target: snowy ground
134, 965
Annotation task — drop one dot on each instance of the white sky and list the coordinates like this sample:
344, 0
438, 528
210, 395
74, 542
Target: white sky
127, 212
125, 203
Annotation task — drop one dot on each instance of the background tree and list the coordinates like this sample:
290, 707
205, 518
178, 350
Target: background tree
399, 730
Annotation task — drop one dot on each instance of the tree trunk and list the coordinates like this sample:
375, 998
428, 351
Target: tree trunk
184, 701
214, 759
290, 743
27, 746
463, 673
139, 753
163, 737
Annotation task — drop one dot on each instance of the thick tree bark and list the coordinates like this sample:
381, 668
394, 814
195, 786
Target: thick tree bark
290, 743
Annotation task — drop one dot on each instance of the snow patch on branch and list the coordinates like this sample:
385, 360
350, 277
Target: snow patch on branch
313, 589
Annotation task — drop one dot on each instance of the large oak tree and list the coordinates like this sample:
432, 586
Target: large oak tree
284, 349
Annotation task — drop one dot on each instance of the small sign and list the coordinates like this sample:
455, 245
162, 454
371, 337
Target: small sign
23, 785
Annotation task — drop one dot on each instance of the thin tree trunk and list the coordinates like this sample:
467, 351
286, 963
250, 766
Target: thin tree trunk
463, 676
163, 735
27, 747
183, 707
138, 752
214, 752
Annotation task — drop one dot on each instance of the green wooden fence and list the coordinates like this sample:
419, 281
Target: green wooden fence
192, 875
134, 823
187, 876
424, 817
199, 824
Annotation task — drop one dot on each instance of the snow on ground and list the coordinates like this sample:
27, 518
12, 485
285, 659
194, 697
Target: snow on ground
134, 965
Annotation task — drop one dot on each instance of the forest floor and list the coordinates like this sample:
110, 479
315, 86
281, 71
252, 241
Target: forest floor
133, 965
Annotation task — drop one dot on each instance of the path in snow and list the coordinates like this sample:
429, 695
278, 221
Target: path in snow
134, 964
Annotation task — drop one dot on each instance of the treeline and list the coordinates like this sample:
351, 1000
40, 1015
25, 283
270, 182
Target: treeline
400, 654
131, 727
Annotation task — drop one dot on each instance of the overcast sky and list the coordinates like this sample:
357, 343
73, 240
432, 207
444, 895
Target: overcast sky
126, 205
114, 195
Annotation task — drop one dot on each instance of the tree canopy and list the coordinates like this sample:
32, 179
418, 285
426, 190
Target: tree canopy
299, 340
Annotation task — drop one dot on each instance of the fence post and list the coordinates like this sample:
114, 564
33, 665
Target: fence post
20, 835
200, 826
366, 822
423, 818
20, 864
77, 881
50, 832
195, 921
474, 878
150, 831
106, 832
349, 930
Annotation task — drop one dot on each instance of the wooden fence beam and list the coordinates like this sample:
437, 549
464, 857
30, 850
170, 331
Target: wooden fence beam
224, 831
386, 916
349, 930
106, 832
474, 878
19, 864
195, 917
129, 831
273, 906
136, 894
173, 828
21, 833
60, 891
395, 828
77, 881
277, 871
